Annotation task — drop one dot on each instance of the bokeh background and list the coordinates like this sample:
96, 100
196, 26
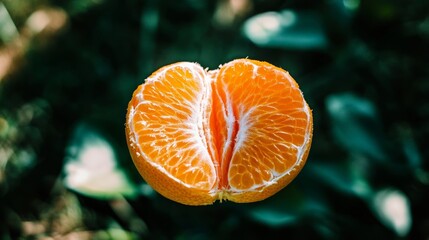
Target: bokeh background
68, 70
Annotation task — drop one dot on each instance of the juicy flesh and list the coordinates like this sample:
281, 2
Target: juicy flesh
234, 129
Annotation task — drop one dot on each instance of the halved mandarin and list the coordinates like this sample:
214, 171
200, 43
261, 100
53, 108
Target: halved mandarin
239, 133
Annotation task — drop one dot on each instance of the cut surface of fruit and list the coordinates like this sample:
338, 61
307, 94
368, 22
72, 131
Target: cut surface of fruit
239, 133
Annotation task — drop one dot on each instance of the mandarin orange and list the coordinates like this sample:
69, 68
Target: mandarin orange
239, 133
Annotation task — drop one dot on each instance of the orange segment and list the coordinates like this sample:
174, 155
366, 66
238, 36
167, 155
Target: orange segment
272, 119
240, 133
167, 128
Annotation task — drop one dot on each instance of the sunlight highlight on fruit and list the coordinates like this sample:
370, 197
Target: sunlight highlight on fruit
239, 133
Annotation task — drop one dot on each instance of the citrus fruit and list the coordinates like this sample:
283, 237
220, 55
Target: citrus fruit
239, 133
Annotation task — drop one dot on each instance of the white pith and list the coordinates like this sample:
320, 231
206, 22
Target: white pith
230, 121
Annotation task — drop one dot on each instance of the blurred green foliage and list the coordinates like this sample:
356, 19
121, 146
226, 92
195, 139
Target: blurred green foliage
68, 70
